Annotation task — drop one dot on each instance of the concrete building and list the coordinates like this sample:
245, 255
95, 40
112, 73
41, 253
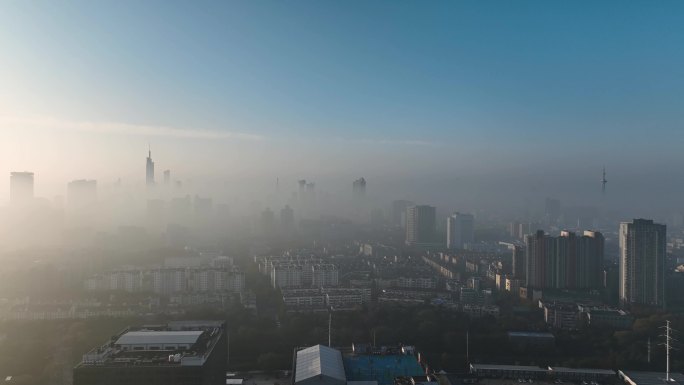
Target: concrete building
168, 281
304, 298
420, 225
460, 230
642, 263
21, 188
286, 276
324, 275
182, 352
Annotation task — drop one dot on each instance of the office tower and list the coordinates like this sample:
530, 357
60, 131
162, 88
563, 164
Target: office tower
460, 230
180, 352
642, 263
149, 170
21, 188
81, 193
420, 225
359, 187
552, 211
518, 262
167, 177
287, 218
302, 186
564, 262
399, 212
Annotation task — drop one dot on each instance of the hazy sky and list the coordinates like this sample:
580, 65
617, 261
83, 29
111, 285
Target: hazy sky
312, 88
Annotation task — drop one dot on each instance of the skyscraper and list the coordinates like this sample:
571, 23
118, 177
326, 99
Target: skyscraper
149, 170
167, 177
359, 187
564, 262
21, 188
420, 225
460, 230
642, 263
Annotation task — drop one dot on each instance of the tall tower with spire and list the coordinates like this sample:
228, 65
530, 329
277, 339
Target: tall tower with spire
149, 169
603, 181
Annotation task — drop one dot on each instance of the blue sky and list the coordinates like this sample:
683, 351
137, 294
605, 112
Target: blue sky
537, 81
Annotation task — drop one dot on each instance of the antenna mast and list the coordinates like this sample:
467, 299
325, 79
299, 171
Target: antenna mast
668, 347
468, 346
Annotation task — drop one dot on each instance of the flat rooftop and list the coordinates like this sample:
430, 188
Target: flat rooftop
148, 337
173, 344
381, 368
650, 378
531, 334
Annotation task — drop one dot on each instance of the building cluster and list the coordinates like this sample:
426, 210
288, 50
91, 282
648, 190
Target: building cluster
179, 275
298, 271
33, 310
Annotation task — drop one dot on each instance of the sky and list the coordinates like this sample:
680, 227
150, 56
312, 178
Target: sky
391, 90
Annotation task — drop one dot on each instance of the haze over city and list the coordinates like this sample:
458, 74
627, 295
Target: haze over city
341, 193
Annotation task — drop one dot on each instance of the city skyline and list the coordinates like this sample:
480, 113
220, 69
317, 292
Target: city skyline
268, 98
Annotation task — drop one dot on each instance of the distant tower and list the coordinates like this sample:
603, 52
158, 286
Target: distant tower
21, 187
603, 181
149, 170
359, 187
167, 176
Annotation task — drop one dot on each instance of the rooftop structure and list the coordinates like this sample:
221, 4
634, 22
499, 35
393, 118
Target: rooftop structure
186, 350
319, 365
541, 373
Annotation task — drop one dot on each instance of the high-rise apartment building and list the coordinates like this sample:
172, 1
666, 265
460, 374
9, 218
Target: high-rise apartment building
21, 187
518, 262
420, 225
149, 170
564, 262
642, 263
460, 230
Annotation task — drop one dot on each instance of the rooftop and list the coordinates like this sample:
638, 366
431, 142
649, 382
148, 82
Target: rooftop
531, 334
650, 378
319, 360
146, 337
175, 344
